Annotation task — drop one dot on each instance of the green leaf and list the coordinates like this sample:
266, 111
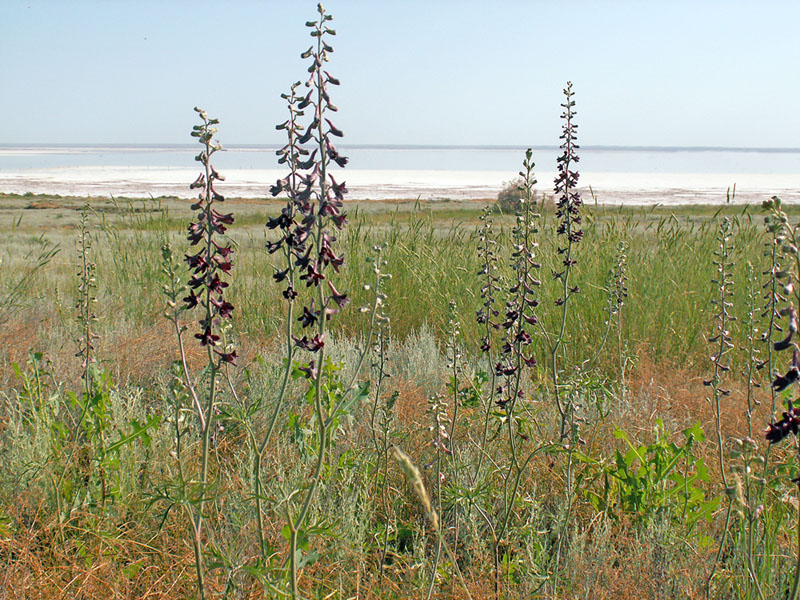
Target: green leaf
138, 430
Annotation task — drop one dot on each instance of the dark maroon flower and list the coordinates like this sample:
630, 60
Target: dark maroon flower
788, 424
783, 381
222, 218
191, 300
308, 370
224, 308
531, 319
313, 345
308, 318
341, 300
224, 251
227, 357
197, 261
207, 338
312, 276
199, 182
523, 338
222, 264
217, 285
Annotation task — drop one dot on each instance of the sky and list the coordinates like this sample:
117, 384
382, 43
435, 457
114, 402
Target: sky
429, 72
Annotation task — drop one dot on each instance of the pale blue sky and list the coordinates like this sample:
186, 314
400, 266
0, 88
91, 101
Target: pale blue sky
684, 73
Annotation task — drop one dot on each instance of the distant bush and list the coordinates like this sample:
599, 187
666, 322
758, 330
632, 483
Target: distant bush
509, 198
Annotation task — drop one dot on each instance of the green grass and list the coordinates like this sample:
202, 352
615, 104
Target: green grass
431, 252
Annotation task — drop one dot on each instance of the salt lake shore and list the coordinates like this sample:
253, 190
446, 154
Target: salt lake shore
604, 187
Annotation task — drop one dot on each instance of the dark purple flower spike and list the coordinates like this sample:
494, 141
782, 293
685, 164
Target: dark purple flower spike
786, 238
518, 317
314, 205
212, 262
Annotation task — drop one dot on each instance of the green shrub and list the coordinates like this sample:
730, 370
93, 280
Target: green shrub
509, 198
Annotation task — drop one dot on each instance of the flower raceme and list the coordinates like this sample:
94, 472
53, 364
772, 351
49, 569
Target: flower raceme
789, 424
212, 261
314, 207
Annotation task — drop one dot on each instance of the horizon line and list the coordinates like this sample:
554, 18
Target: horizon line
356, 146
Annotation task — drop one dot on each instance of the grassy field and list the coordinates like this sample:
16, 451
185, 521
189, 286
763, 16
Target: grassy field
99, 471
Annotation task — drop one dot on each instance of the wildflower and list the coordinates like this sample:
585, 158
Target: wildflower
213, 259
788, 424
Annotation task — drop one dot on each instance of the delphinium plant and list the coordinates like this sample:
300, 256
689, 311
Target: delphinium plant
773, 296
209, 261
440, 440
454, 366
751, 327
86, 438
749, 464
722, 344
787, 240
291, 243
307, 229
618, 297
515, 354
488, 317
86, 301
569, 232
379, 368
382, 413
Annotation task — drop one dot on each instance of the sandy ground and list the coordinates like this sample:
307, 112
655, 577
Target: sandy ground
608, 188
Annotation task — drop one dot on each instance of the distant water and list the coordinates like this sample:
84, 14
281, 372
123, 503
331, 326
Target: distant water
639, 175
419, 158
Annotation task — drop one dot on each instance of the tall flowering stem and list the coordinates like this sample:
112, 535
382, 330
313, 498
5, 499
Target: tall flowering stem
306, 227
569, 234
619, 296
437, 409
84, 306
210, 265
787, 242
84, 314
519, 317
516, 323
750, 326
291, 244
722, 345
721, 338
568, 213
209, 261
380, 350
382, 413
488, 316
773, 288
320, 203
